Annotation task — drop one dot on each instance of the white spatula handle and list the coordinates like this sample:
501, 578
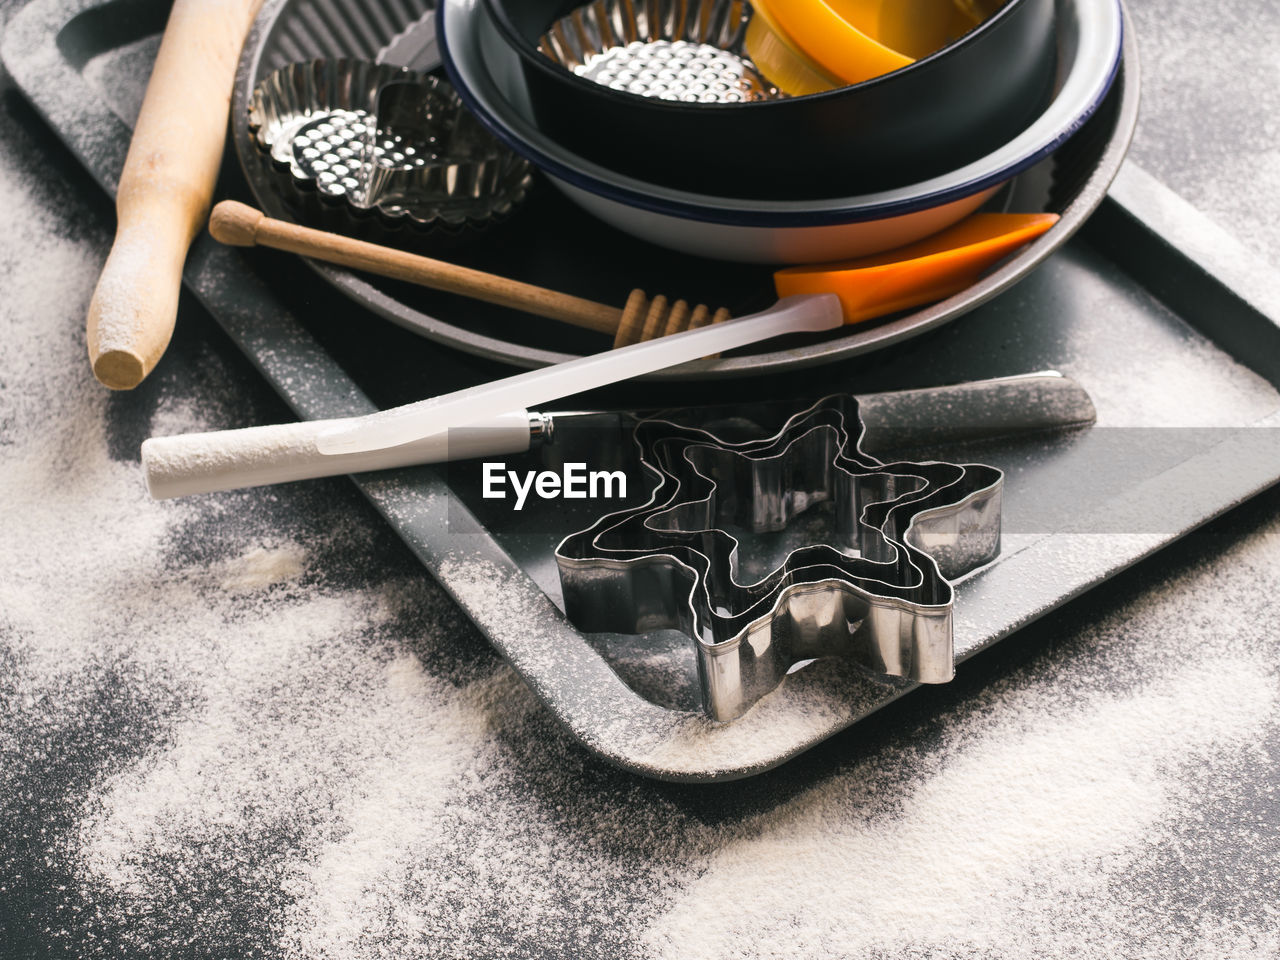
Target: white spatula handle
230, 459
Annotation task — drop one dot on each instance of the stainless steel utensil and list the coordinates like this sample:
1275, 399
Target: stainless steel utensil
375, 139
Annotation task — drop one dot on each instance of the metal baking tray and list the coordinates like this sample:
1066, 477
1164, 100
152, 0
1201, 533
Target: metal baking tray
1169, 322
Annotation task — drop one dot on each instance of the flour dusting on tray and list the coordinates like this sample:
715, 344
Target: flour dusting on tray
251, 725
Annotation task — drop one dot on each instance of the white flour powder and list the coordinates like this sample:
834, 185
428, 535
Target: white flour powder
1218, 76
1008, 839
262, 567
249, 722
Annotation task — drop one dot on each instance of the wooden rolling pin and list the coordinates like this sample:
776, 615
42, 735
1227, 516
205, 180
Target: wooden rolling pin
240, 225
166, 187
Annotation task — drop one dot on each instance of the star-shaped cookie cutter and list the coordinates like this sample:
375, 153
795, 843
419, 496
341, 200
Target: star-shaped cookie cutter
879, 592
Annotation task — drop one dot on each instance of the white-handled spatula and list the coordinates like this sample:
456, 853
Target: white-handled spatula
419, 432
194, 463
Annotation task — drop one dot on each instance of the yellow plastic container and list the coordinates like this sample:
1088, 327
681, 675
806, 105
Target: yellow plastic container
807, 46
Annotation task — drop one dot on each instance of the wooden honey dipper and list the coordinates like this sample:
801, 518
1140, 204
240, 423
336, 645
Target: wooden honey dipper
642, 318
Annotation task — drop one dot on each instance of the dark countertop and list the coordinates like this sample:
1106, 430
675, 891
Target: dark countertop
252, 725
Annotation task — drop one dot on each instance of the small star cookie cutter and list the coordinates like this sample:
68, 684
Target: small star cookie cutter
877, 591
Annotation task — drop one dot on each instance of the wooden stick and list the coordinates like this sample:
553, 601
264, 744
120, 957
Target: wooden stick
240, 225
166, 187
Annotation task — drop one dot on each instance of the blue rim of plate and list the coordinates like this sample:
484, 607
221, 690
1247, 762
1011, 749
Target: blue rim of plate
767, 214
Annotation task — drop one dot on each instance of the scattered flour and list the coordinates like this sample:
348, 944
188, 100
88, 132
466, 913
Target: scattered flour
195, 756
1014, 835
1217, 149
262, 567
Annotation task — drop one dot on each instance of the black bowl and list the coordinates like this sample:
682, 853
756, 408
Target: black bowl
921, 121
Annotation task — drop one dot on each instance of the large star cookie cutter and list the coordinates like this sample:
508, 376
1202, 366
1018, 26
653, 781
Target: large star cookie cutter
877, 590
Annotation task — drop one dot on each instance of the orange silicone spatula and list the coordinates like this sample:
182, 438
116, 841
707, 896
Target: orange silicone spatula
919, 273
